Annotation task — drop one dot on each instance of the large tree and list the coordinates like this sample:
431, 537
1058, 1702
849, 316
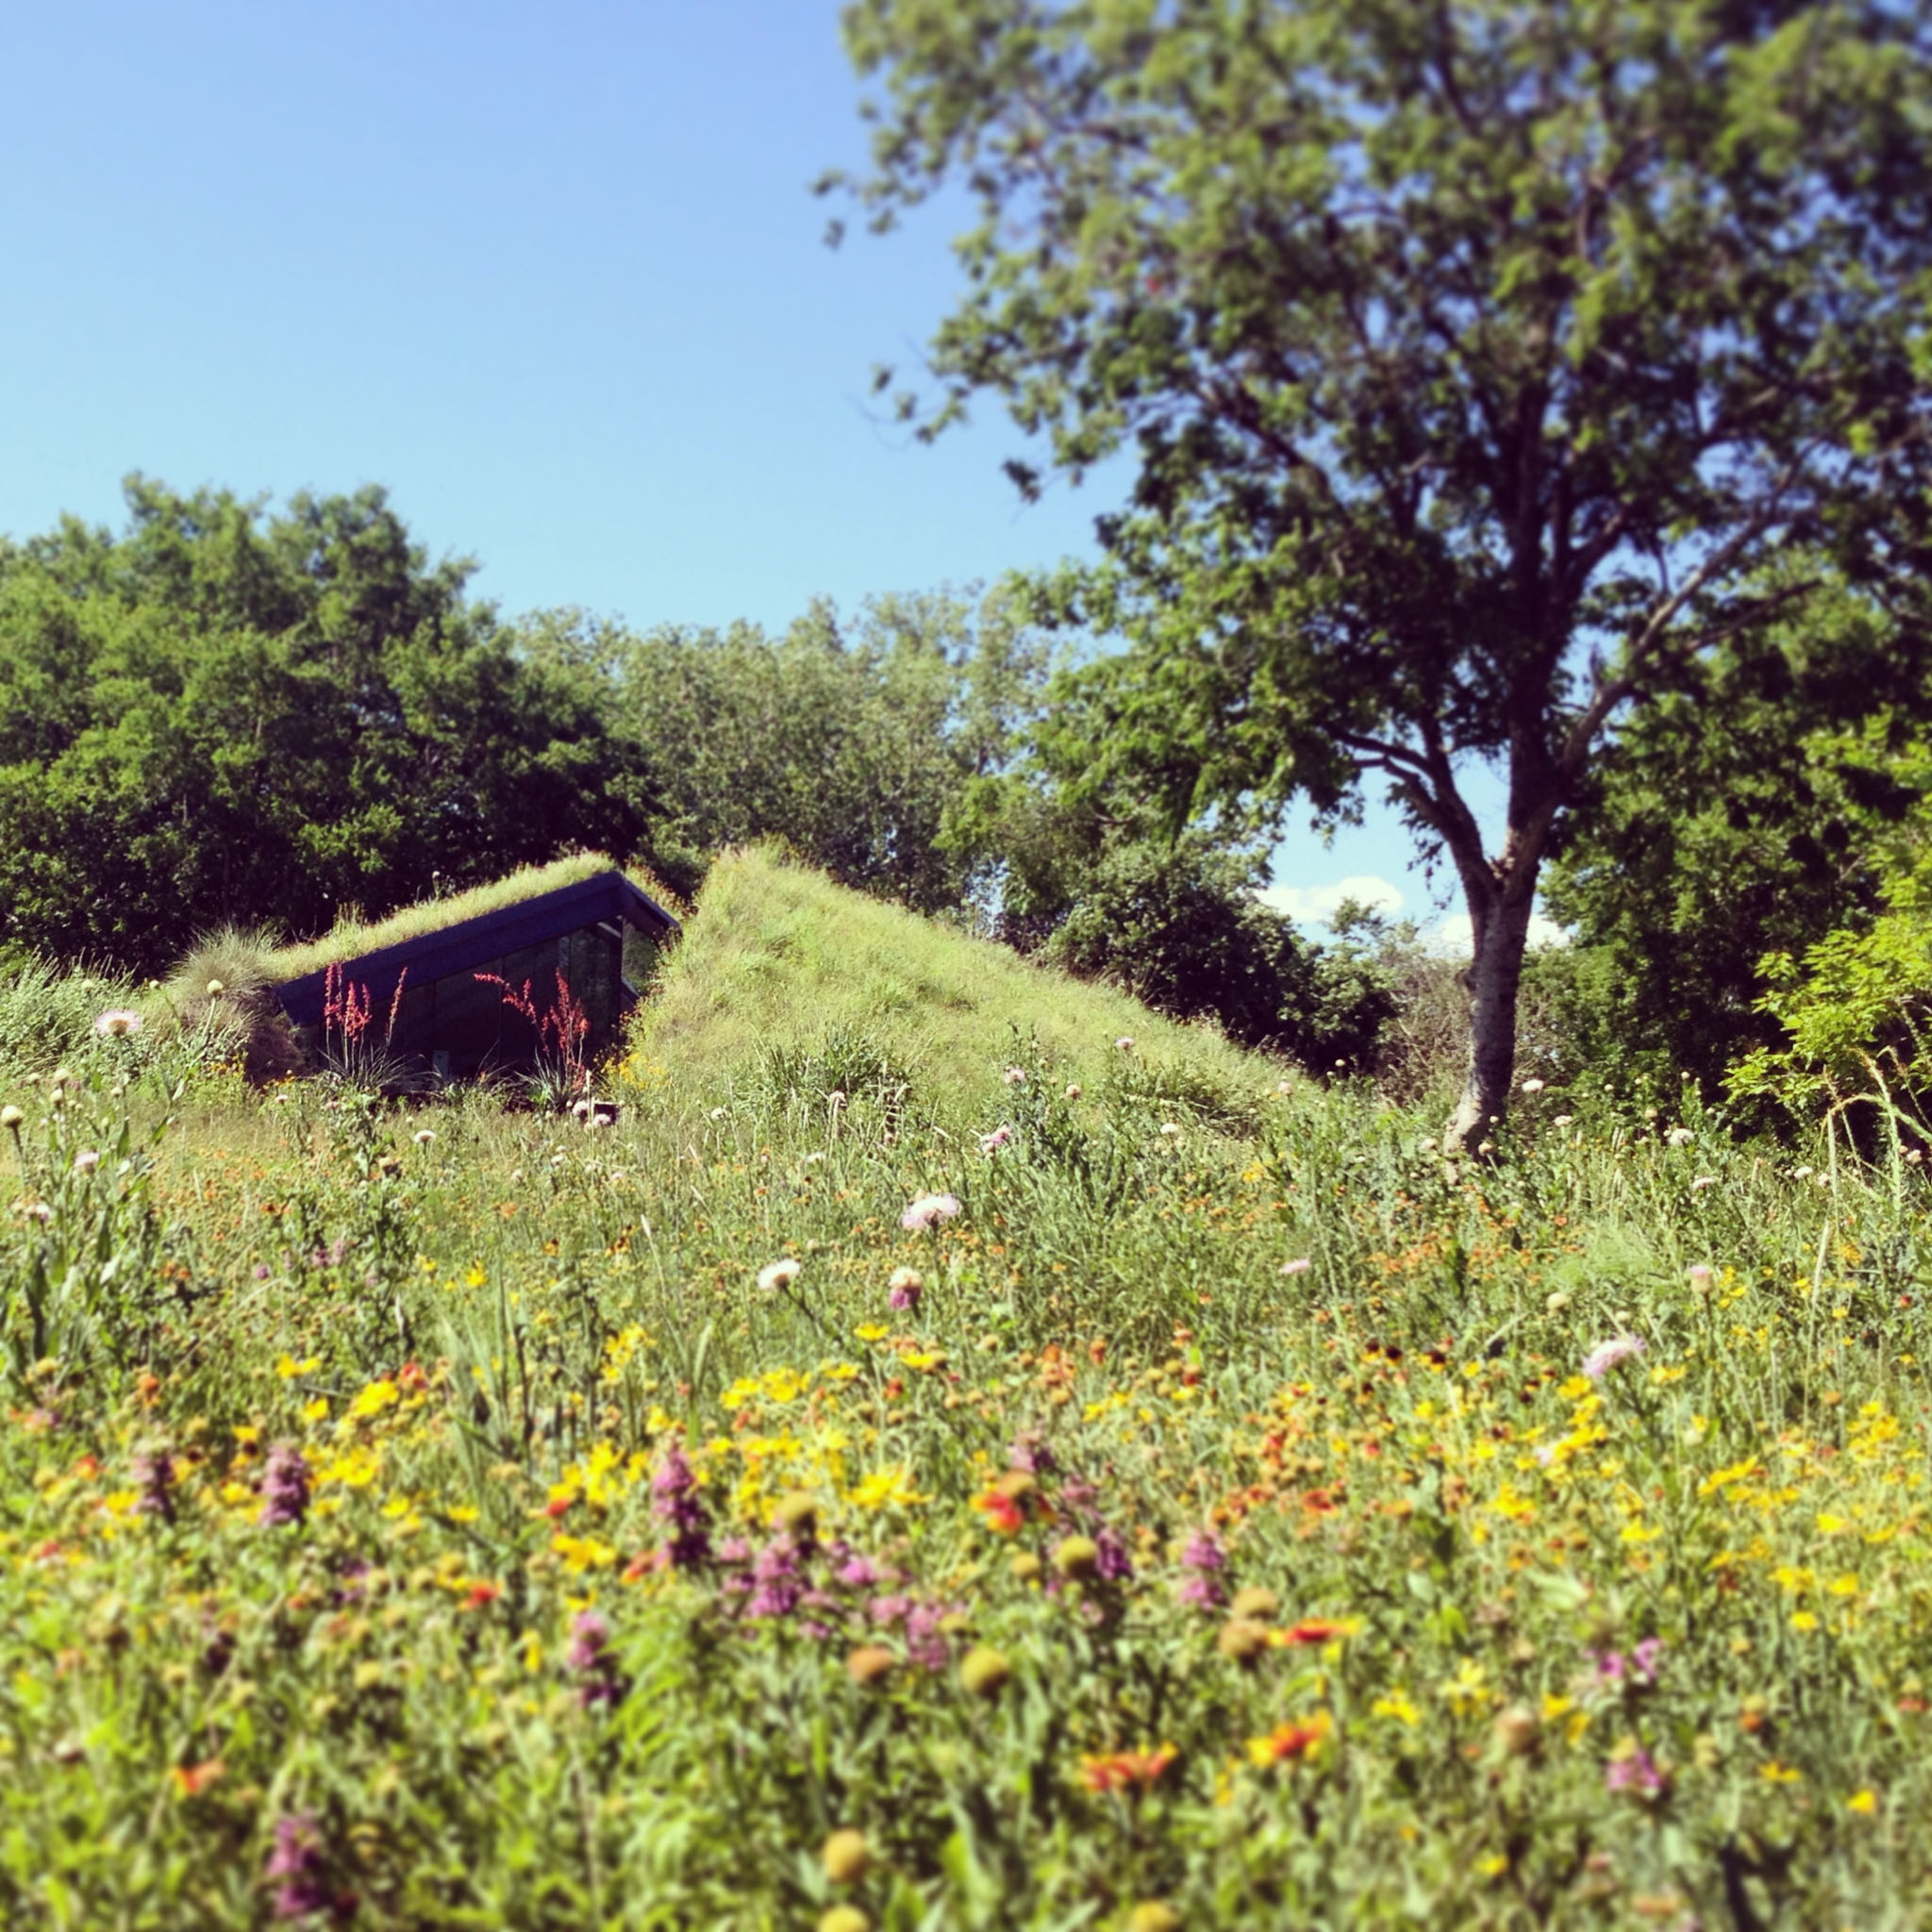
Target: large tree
1470, 358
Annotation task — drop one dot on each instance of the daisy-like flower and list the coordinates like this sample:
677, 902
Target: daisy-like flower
117, 1022
929, 1210
780, 1274
1606, 1355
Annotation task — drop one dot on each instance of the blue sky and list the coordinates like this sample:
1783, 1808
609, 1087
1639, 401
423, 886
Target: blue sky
551, 274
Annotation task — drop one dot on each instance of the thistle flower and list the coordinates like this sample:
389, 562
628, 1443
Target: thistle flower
1533, 1086
780, 1274
1000, 1137
117, 1022
927, 1211
216, 987
284, 1487
10, 1118
1126, 1043
589, 1660
424, 1136
1681, 1136
1073, 1089
86, 1161
296, 1861
1701, 1277
1300, 1265
903, 1289
676, 1502
1014, 1076
1606, 1355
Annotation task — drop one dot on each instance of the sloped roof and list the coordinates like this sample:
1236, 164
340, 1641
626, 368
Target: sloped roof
467, 943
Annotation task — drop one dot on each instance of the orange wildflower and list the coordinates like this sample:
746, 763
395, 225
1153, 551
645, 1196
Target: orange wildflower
1290, 1743
190, 1780
1114, 1771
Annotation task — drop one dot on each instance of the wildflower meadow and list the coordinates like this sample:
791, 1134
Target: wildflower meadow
946, 1454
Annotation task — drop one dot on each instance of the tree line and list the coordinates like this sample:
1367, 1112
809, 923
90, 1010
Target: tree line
232, 712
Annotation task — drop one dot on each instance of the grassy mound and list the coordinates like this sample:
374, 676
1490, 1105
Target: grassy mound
781, 964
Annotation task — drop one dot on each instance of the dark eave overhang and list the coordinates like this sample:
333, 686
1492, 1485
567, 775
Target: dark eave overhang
474, 942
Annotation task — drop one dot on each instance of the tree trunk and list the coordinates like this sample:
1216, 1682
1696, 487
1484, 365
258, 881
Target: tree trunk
1502, 936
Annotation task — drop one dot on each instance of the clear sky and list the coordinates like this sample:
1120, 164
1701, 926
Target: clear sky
553, 275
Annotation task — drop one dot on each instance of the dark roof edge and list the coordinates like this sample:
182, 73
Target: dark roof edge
471, 942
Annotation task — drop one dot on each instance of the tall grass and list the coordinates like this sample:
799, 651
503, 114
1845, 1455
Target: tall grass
1534, 1647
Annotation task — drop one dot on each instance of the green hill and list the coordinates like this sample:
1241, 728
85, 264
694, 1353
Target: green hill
777, 960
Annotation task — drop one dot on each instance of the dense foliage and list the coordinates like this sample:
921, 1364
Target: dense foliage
223, 714
1472, 360
1752, 808
1202, 1507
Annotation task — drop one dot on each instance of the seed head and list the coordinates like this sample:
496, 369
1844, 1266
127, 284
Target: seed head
869, 1663
1518, 1731
1078, 1558
1242, 1639
846, 1857
984, 1670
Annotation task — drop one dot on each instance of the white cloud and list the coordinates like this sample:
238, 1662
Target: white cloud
1455, 934
1317, 904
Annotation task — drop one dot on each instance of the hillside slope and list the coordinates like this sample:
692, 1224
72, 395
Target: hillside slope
778, 956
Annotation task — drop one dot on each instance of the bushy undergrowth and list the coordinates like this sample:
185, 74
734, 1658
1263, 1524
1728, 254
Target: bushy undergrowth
1114, 1507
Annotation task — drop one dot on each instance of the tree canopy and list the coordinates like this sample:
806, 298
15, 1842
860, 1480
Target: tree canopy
1472, 358
227, 714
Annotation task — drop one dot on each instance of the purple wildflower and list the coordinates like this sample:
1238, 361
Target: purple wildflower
1116, 1566
296, 1861
1202, 1558
590, 1661
1639, 1772
154, 1484
904, 1290
1646, 1659
1030, 1453
777, 1589
283, 1486
1606, 1355
858, 1573
678, 1503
